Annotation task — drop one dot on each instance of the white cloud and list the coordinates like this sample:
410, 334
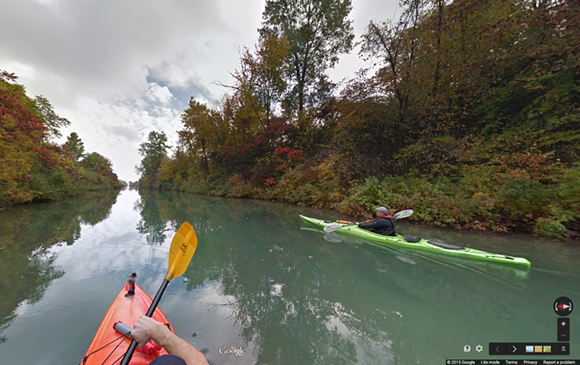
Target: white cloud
158, 93
118, 69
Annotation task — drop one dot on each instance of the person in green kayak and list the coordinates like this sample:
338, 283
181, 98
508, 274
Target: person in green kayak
180, 351
383, 224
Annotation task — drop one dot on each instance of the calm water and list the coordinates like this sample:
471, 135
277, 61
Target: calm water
285, 294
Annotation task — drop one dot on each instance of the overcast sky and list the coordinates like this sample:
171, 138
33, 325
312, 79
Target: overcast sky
118, 69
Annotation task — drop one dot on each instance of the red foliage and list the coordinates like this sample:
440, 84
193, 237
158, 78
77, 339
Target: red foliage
295, 155
270, 181
246, 147
281, 150
272, 138
291, 159
111, 176
14, 109
227, 152
275, 133
291, 155
237, 179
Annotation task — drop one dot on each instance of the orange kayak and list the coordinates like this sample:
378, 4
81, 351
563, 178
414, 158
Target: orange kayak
109, 346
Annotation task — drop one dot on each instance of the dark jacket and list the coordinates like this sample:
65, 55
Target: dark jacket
381, 225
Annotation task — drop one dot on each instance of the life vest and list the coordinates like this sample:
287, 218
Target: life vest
385, 216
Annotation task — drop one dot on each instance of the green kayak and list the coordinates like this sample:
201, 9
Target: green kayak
420, 244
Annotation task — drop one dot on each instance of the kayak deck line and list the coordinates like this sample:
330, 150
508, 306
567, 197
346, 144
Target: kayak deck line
108, 345
422, 244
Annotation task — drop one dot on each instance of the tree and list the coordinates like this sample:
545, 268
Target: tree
267, 69
96, 162
76, 145
154, 151
396, 44
47, 114
205, 131
317, 31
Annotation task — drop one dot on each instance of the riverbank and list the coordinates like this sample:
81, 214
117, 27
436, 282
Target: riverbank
481, 135
473, 201
33, 167
58, 186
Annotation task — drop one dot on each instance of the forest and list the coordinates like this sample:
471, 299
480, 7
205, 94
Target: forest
468, 113
32, 166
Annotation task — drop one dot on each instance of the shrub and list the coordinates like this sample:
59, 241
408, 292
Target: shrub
522, 196
549, 227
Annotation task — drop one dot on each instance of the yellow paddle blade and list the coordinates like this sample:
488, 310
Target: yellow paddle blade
182, 249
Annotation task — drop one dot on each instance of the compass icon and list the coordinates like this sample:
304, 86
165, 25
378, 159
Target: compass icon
563, 306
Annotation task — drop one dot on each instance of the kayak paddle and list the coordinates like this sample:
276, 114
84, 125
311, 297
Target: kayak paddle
399, 215
182, 249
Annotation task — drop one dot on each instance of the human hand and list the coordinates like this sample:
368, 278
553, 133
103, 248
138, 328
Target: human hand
147, 329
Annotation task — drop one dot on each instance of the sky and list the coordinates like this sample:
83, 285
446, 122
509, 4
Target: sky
120, 69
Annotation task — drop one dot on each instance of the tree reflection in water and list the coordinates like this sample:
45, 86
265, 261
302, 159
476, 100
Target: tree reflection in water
27, 233
283, 298
294, 297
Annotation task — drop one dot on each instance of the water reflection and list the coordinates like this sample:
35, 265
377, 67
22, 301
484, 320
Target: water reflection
260, 283
273, 289
27, 233
151, 223
507, 275
293, 296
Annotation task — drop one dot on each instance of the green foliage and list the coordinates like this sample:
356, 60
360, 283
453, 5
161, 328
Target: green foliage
96, 162
75, 145
569, 188
154, 151
48, 116
318, 31
524, 195
471, 118
549, 227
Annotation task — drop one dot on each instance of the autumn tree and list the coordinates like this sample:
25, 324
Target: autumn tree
31, 166
204, 131
268, 67
244, 109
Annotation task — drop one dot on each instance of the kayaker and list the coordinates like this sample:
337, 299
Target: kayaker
149, 329
383, 224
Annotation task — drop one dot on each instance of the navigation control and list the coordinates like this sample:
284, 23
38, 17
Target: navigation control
563, 329
498, 350
530, 348
565, 349
563, 306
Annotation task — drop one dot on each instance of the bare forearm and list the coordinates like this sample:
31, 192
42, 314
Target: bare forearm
179, 347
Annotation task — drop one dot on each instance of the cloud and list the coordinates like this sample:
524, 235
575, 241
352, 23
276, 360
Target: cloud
96, 45
130, 134
159, 93
119, 69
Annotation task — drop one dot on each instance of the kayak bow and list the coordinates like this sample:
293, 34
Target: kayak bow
109, 346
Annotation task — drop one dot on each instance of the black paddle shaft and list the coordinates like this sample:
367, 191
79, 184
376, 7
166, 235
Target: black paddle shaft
133, 346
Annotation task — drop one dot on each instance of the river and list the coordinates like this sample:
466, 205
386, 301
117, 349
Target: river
263, 283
